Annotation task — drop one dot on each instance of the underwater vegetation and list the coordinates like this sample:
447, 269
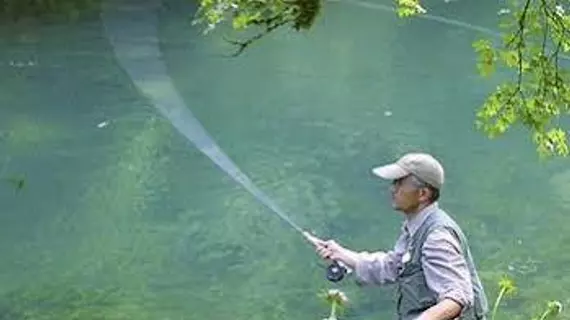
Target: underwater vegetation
17, 9
130, 255
56, 301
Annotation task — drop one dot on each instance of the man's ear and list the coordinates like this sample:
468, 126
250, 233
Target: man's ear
425, 193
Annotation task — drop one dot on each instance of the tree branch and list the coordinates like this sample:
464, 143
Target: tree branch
519, 38
242, 45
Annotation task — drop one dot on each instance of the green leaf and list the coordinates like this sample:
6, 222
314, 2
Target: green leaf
552, 142
408, 8
486, 57
510, 58
240, 22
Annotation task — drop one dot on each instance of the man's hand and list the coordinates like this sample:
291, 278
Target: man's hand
331, 250
446, 309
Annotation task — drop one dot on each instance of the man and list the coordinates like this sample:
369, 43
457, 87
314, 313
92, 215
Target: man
431, 263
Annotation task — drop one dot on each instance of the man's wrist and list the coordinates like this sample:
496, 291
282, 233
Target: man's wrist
445, 309
349, 258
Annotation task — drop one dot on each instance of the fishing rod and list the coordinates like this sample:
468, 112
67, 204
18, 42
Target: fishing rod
131, 27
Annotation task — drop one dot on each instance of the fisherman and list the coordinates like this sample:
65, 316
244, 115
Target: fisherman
431, 263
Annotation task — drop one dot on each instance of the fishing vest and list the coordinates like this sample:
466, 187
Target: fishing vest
413, 293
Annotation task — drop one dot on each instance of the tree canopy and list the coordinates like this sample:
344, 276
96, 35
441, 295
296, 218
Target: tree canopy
534, 40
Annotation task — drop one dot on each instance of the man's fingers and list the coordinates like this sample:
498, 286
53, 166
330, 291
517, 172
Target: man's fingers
324, 253
325, 248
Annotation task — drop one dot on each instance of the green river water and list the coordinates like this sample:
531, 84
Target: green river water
121, 218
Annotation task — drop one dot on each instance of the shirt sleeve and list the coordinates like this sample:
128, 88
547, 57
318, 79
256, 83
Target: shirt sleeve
446, 269
380, 267
376, 268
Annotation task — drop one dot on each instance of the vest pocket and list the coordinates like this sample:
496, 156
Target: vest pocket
415, 294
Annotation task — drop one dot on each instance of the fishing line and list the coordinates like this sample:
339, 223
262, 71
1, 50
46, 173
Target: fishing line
427, 16
131, 27
136, 47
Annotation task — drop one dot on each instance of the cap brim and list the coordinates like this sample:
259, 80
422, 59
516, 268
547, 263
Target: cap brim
390, 172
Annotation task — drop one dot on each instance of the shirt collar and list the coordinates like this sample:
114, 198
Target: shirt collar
412, 223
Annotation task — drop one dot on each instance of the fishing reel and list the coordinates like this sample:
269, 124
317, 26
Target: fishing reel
336, 271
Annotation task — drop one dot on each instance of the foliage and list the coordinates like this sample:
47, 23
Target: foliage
553, 309
507, 288
336, 299
535, 34
66, 307
269, 15
534, 38
409, 8
67, 302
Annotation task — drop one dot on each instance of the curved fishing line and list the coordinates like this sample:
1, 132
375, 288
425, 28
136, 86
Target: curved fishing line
131, 26
427, 16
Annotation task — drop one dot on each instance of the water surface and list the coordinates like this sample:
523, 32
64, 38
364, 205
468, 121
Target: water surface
122, 218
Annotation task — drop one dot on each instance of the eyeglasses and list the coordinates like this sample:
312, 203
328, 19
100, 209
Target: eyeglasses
410, 180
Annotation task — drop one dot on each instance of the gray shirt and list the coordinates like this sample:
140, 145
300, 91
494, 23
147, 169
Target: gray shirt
444, 265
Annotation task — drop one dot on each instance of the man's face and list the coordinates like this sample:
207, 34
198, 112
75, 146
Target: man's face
406, 195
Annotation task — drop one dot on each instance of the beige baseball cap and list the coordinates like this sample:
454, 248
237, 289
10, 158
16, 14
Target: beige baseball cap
422, 165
